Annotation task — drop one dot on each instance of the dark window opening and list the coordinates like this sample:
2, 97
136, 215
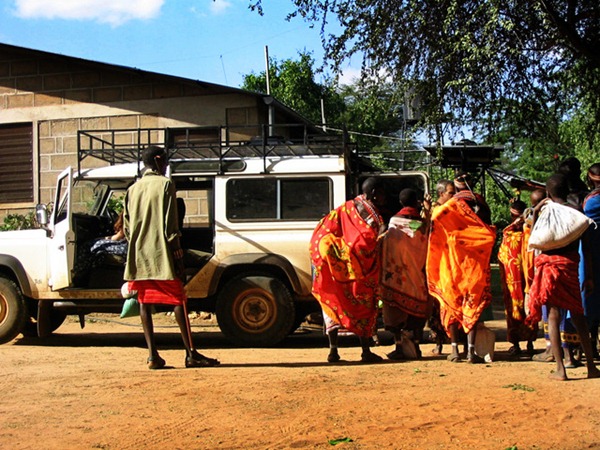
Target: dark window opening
16, 159
278, 199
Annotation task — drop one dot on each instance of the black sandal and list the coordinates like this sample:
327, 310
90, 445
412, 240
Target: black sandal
155, 362
370, 358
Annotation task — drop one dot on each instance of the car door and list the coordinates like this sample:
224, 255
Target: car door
62, 243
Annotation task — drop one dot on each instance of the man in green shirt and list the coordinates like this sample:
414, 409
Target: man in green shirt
154, 266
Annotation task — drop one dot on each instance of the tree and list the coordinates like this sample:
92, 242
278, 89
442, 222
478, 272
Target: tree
369, 110
293, 83
473, 62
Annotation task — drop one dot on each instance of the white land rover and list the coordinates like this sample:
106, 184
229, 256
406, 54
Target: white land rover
250, 212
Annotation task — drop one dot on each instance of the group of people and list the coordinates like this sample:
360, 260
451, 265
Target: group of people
431, 264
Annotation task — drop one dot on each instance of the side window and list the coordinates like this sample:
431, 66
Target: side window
253, 198
278, 199
305, 199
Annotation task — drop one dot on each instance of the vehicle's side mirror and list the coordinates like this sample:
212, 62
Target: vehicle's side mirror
41, 215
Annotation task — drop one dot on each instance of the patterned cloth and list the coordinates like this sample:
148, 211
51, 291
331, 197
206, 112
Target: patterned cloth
403, 256
163, 292
510, 257
345, 259
527, 258
458, 263
555, 283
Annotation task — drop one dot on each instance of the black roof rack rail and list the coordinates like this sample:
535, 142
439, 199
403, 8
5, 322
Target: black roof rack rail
118, 146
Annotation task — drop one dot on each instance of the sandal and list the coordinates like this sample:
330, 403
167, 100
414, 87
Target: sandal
475, 359
333, 358
543, 357
574, 364
370, 358
396, 355
199, 360
454, 358
155, 362
514, 351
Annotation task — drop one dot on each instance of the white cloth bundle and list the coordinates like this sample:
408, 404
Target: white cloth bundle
557, 226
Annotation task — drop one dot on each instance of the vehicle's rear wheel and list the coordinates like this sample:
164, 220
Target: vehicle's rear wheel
255, 311
13, 310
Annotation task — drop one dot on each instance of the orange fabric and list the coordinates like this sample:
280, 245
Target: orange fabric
403, 256
344, 253
458, 263
510, 257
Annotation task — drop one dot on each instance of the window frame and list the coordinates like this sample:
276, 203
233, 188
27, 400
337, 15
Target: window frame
279, 206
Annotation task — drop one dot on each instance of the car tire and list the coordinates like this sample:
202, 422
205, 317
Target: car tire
13, 310
255, 311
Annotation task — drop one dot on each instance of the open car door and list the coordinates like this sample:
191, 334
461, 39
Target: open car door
62, 246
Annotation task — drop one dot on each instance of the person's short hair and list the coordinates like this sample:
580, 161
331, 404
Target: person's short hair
151, 152
571, 167
369, 185
537, 196
408, 197
558, 186
518, 206
441, 186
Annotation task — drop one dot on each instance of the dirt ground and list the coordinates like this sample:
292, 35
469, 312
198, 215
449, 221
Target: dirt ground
90, 389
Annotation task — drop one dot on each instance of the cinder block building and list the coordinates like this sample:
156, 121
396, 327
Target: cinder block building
47, 100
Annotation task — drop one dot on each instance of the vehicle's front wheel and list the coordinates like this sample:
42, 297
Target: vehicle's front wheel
255, 311
13, 310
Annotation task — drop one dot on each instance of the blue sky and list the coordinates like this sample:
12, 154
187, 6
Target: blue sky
215, 41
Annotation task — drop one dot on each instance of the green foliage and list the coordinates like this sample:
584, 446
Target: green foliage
293, 83
473, 63
369, 110
519, 387
116, 203
18, 222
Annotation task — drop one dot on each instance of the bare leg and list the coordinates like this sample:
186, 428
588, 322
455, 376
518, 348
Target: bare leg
183, 322
154, 360
398, 353
367, 355
584, 335
555, 343
192, 357
594, 339
454, 355
148, 326
333, 356
471, 356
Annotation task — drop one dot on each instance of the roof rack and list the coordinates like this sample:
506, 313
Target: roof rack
217, 143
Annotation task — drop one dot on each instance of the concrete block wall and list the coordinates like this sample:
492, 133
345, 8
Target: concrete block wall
34, 82
61, 95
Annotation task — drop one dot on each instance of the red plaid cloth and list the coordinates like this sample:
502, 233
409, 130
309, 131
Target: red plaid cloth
555, 283
162, 292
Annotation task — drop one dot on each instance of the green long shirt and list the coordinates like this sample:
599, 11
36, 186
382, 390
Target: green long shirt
151, 227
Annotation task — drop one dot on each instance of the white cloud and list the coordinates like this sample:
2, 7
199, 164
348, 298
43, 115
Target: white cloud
219, 6
113, 12
349, 76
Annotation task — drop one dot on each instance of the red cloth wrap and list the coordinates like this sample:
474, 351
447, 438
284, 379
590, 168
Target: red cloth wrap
555, 283
162, 292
